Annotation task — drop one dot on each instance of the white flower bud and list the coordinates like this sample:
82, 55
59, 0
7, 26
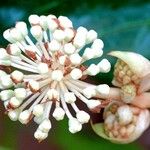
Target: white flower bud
93, 70
43, 22
65, 22
98, 44
97, 52
104, 66
20, 93
2, 73
82, 30
14, 50
80, 37
76, 74
83, 117
22, 28
3, 54
1, 87
75, 59
89, 91
103, 89
14, 102
14, 114
6, 81
54, 46
74, 125
45, 126
69, 48
6, 104
34, 85
39, 135
36, 31
57, 75
58, 113
6, 94
51, 16
69, 34
69, 97
8, 36
93, 103
59, 35
125, 114
24, 116
62, 59
38, 119
91, 36
34, 19
17, 76
42, 68
5, 62
88, 54
16, 34
53, 94
38, 110
52, 24
79, 41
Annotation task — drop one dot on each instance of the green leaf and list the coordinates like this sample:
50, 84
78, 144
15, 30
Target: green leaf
4, 148
85, 140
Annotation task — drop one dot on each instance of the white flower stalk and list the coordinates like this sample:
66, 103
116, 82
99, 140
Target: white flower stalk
123, 123
50, 72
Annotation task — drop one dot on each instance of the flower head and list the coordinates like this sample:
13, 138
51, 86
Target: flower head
49, 70
131, 74
123, 123
127, 116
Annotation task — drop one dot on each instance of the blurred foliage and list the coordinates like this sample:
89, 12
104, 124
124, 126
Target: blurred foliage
86, 141
123, 25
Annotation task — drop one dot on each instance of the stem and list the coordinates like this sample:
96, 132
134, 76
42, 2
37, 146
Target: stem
23, 68
47, 109
44, 50
145, 84
74, 106
37, 56
28, 60
32, 44
39, 98
77, 93
45, 36
28, 101
80, 83
142, 100
114, 94
19, 62
64, 105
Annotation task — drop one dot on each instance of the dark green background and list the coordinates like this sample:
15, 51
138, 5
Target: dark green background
122, 24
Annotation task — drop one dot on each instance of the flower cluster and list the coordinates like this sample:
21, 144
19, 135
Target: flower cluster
127, 116
124, 122
45, 67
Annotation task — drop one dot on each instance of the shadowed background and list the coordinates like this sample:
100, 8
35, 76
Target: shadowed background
122, 25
